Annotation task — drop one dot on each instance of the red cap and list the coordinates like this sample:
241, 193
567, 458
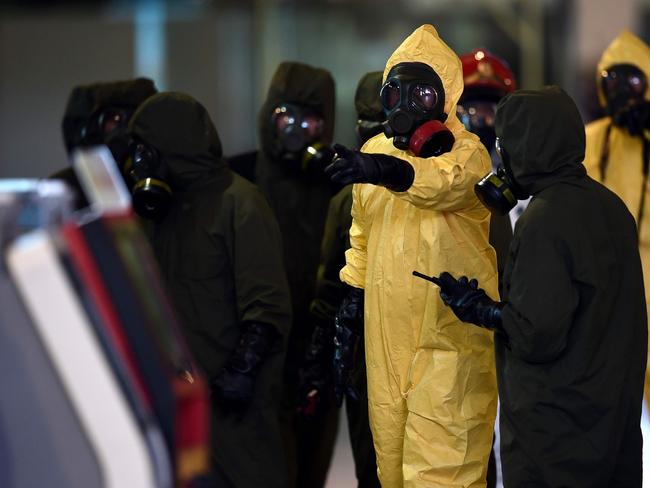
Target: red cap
482, 69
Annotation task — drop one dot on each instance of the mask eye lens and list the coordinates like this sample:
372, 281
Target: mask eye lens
477, 115
313, 125
111, 123
284, 121
390, 95
112, 119
424, 96
637, 85
623, 82
283, 117
609, 83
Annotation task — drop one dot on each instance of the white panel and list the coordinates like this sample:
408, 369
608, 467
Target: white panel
80, 362
101, 180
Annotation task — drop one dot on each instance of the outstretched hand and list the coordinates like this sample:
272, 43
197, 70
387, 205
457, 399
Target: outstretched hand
351, 166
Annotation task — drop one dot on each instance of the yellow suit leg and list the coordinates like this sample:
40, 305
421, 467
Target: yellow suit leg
447, 424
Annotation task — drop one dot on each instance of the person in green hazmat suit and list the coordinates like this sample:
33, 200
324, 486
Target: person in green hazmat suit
219, 250
98, 114
570, 331
618, 145
431, 382
296, 125
315, 375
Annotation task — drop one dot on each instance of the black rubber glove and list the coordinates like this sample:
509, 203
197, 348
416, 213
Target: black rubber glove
469, 302
315, 374
379, 169
234, 386
347, 340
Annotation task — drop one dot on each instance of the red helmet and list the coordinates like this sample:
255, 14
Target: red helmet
484, 70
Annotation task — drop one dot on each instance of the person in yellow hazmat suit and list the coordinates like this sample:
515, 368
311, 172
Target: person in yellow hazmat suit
431, 381
618, 145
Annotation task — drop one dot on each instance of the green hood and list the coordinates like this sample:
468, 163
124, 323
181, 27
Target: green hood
182, 132
300, 84
85, 100
544, 136
367, 100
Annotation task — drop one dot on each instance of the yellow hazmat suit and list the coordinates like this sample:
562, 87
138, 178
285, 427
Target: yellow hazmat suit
431, 379
615, 158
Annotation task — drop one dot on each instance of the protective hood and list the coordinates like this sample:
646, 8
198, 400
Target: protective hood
181, 130
544, 136
425, 46
625, 49
303, 85
84, 100
127, 94
367, 100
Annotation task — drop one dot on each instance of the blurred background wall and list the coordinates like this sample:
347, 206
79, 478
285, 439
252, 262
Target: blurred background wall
224, 52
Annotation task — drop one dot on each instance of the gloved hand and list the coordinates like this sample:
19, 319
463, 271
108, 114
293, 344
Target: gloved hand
234, 386
314, 376
635, 119
469, 302
379, 169
347, 340
316, 158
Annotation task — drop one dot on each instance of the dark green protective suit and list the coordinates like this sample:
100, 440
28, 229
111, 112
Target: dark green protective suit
220, 253
500, 239
571, 369
300, 205
85, 101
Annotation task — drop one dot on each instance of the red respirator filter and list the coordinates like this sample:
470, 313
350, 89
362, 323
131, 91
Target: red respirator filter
432, 138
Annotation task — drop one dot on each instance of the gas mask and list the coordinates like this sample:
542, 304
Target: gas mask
499, 191
478, 117
298, 131
414, 99
624, 87
102, 124
147, 178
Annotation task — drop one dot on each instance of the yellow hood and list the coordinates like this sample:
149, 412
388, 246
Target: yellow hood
425, 46
625, 49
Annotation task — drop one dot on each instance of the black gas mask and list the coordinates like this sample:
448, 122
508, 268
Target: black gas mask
102, 124
478, 117
414, 100
148, 178
298, 131
624, 87
499, 191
